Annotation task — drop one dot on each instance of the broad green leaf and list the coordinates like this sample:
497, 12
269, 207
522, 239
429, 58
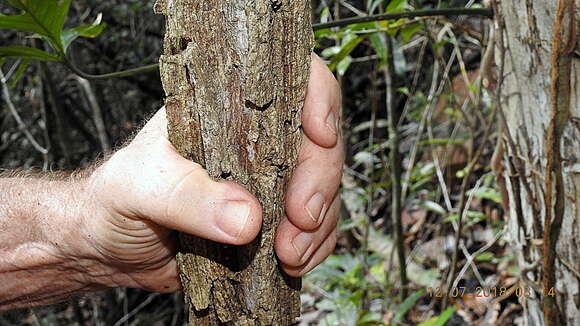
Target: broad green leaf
345, 51
91, 31
21, 23
47, 15
17, 51
441, 320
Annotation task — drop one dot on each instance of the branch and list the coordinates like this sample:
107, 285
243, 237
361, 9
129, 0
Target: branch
124, 73
485, 12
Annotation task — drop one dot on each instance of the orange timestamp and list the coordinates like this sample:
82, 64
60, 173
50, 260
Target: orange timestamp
489, 291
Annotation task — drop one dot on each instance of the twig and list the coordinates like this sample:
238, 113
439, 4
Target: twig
21, 124
484, 12
43, 114
477, 252
97, 113
137, 309
395, 164
569, 266
51, 94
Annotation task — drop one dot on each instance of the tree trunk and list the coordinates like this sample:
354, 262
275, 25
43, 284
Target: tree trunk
541, 101
235, 74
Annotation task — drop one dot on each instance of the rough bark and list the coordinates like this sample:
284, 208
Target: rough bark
540, 97
235, 74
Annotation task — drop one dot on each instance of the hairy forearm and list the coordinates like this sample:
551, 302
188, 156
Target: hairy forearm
43, 258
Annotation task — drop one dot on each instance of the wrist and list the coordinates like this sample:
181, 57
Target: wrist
44, 257
84, 248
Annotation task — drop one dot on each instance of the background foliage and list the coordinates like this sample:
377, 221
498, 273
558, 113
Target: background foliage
412, 84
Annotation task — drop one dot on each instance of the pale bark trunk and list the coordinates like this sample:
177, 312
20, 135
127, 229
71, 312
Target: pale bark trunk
235, 74
528, 106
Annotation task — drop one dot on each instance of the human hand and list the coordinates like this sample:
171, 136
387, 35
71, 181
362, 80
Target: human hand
146, 190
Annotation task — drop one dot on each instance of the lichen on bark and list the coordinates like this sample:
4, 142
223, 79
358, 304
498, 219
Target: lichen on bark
235, 74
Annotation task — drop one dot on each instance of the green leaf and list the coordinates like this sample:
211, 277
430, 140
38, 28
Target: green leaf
379, 46
372, 5
327, 32
330, 51
433, 207
369, 318
325, 15
90, 31
487, 193
397, 6
24, 52
485, 256
343, 65
47, 17
441, 320
408, 32
22, 22
408, 304
345, 51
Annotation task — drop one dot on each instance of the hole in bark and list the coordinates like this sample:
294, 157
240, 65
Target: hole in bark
225, 175
254, 106
183, 42
276, 5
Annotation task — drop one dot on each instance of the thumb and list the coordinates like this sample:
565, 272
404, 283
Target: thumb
150, 180
195, 204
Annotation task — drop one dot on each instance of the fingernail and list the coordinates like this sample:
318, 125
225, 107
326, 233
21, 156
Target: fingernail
316, 207
331, 122
234, 217
302, 244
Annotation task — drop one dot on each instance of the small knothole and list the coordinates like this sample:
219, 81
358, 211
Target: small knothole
276, 5
225, 175
251, 105
183, 42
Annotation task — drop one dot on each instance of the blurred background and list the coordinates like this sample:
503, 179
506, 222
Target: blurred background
421, 85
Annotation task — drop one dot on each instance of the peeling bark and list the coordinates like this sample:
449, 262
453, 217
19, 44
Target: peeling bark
235, 74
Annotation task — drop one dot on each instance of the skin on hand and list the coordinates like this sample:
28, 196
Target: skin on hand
146, 190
